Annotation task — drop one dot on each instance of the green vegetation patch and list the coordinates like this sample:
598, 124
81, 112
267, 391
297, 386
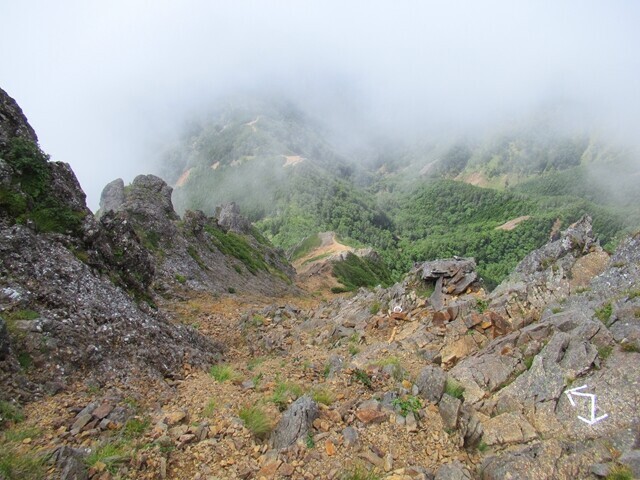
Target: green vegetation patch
256, 420
237, 246
285, 392
604, 313
355, 272
620, 472
360, 473
362, 377
407, 404
112, 453
29, 196
10, 413
323, 395
210, 408
18, 461
454, 389
222, 373
307, 245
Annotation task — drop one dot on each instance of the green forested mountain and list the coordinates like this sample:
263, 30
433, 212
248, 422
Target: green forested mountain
410, 201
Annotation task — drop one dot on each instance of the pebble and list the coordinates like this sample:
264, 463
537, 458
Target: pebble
330, 448
372, 458
351, 436
388, 462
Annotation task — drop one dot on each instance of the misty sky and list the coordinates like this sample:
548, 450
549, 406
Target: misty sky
104, 83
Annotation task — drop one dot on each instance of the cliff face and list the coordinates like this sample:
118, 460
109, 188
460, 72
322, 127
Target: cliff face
63, 307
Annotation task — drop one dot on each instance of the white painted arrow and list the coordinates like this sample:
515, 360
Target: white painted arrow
577, 392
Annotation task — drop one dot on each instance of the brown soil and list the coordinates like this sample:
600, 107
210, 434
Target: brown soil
183, 178
511, 224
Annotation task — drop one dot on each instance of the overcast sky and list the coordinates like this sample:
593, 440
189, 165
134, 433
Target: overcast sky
103, 81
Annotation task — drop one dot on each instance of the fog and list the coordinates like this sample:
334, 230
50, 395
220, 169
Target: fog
105, 84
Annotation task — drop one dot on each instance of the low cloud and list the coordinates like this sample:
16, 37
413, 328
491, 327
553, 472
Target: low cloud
103, 84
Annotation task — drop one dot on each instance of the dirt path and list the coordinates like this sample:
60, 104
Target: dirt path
329, 247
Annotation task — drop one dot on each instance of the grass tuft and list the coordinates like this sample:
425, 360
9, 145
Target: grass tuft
630, 347
604, 313
322, 395
222, 372
111, 454
360, 473
10, 413
605, 352
454, 389
256, 420
619, 472
285, 392
135, 427
210, 408
362, 377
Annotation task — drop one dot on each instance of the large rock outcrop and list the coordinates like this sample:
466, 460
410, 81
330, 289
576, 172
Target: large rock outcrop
212, 254
61, 272
546, 275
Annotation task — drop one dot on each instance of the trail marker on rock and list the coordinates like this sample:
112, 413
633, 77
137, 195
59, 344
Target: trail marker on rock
577, 392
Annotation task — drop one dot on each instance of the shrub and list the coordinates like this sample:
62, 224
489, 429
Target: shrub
181, 278
236, 245
339, 290
29, 196
256, 420
481, 305
374, 308
355, 272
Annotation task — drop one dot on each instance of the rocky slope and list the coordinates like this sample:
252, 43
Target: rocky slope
430, 378
79, 293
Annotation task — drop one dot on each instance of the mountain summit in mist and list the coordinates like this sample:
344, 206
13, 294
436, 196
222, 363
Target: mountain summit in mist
295, 177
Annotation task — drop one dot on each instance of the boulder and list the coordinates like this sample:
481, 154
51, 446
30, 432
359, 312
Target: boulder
295, 422
431, 383
229, 218
449, 408
112, 196
453, 471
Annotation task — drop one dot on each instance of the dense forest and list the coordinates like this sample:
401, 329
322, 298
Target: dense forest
411, 202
